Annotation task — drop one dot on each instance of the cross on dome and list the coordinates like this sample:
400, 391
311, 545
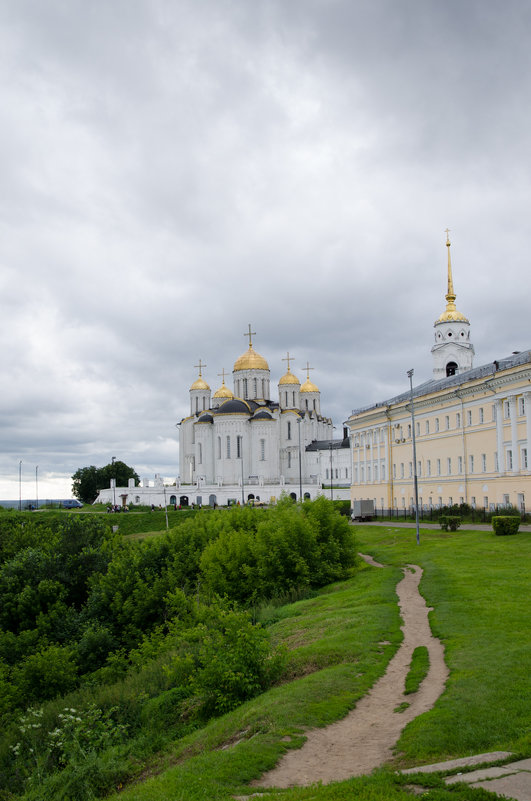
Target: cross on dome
200, 367
250, 334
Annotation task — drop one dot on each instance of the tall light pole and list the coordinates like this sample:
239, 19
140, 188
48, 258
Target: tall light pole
331, 474
241, 457
114, 482
410, 374
37, 486
299, 421
20, 486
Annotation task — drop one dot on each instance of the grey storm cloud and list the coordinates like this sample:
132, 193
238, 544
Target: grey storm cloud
172, 171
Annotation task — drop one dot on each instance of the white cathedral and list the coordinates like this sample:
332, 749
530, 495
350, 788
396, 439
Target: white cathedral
240, 445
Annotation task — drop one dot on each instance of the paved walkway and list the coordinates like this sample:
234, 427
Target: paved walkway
512, 780
428, 525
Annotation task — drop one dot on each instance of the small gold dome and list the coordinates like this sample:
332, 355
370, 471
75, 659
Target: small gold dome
309, 386
452, 315
251, 360
223, 392
200, 383
289, 378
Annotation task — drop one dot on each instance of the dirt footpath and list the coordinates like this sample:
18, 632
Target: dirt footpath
365, 738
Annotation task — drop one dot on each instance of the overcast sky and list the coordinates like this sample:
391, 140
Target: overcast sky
172, 171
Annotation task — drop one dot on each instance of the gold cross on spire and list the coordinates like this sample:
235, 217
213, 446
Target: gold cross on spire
250, 334
222, 374
288, 359
200, 367
447, 231
308, 368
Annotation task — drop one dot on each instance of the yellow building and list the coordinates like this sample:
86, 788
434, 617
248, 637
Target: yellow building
472, 430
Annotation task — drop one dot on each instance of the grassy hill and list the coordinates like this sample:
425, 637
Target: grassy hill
478, 585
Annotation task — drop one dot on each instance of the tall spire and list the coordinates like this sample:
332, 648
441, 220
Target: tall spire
450, 295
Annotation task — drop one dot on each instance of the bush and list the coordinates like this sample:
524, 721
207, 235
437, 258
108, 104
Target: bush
451, 522
505, 524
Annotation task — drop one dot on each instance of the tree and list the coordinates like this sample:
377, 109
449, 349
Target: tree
88, 481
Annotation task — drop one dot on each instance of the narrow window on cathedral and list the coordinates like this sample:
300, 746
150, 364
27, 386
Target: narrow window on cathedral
200, 454
289, 458
314, 406
255, 387
327, 472
293, 400
238, 447
289, 429
197, 404
263, 388
204, 403
219, 447
306, 404
228, 447
245, 389
262, 450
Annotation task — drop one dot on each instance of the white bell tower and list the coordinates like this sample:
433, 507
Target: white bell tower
453, 352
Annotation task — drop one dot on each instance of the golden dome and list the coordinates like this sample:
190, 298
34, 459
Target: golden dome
309, 386
200, 383
223, 392
251, 360
289, 378
451, 314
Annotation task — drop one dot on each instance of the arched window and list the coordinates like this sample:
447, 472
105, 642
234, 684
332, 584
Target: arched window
245, 388
199, 453
255, 387
197, 404
289, 429
219, 447
451, 368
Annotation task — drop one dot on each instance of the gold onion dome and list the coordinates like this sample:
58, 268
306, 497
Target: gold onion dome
199, 383
289, 378
309, 386
251, 360
223, 392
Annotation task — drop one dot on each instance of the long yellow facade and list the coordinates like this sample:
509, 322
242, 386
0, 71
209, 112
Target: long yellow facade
473, 441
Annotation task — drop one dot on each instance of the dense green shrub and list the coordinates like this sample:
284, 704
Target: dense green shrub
451, 522
505, 524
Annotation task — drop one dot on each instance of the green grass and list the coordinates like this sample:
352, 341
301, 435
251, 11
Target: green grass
418, 669
477, 584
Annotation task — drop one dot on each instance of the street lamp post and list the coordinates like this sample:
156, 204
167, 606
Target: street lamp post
299, 421
20, 486
410, 374
331, 474
114, 482
37, 486
241, 457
